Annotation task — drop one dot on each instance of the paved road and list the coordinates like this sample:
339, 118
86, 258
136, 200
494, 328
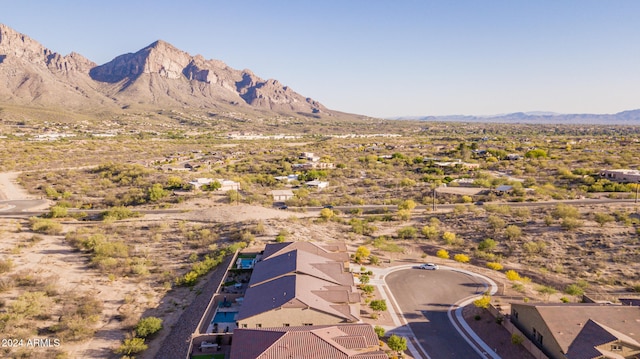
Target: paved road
20, 206
424, 297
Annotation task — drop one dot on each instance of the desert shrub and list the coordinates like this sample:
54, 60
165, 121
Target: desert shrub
132, 346
496, 222
431, 232
359, 226
483, 302
404, 214
156, 192
407, 205
326, 214
512, 275
407, 233
148, 326
58, 212
442, 253
487, 245
46, 226
603, 218
570, 224
513, 232
449, 237
574, 289
462, 258
5, 265
118, 213
30, 304
383, 244
495, 266
563, 211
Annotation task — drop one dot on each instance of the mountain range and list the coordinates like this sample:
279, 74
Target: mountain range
161, 77
631, 117
157, 76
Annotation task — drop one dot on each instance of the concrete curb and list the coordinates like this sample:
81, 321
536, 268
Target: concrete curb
460, 325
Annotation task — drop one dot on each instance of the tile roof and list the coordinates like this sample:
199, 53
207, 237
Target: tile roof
567, 321
300, 291
300, 262
301, 275
326, 251
349, 341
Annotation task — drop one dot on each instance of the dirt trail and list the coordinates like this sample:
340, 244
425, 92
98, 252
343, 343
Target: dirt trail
9, 189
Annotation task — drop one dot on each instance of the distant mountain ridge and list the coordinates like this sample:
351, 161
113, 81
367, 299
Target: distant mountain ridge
631, 117
158, 75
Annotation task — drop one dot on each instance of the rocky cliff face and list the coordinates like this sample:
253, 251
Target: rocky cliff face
159, 75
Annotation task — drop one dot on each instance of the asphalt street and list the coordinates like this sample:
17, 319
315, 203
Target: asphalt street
424, 298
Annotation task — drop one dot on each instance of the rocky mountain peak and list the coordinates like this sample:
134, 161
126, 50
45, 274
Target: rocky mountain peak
158, 74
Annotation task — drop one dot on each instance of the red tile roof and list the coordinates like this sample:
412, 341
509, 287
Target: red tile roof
349, 341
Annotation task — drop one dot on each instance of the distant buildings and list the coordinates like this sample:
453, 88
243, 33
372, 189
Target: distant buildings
624, 176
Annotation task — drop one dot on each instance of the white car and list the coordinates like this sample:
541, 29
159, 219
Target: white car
428, 266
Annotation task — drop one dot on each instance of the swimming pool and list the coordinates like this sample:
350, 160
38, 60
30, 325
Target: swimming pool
247, 263
225, 317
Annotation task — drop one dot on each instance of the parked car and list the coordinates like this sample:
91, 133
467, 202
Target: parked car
328, 206
428, 266
283, 207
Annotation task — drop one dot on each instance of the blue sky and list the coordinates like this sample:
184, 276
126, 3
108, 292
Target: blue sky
379, 58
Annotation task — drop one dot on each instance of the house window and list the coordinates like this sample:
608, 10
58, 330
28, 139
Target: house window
285, 324
244, 325
307, 324
616, 347
258, 325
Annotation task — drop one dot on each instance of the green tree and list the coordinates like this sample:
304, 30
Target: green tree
397, 343
148, 326
364, 279
368, 289
156, 192
378, 305
361, 254
380, 332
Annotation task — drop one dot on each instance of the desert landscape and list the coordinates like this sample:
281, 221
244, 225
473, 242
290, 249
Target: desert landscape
125, 186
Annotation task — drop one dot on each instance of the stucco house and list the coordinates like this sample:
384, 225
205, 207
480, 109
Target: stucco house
282, 195
580, 330
625, 176
290, 286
